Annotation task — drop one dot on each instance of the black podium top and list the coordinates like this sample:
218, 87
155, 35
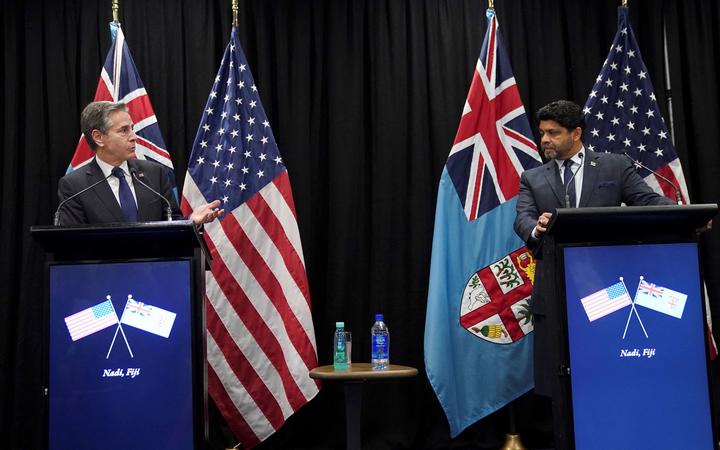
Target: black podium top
179, 238
619, 223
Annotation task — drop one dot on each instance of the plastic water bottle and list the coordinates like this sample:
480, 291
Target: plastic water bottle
339, 347
380, 344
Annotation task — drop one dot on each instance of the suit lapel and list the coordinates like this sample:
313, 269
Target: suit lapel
142, 194
105, 195
590, 174
552, 176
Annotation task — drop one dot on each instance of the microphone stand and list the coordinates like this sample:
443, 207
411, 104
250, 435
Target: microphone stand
168, 208
678, 196
56, 219
572, 180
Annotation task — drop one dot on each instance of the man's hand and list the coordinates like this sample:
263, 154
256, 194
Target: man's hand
708, 226
206, 213
542, 224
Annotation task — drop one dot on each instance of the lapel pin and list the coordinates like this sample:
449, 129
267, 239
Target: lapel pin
593, 163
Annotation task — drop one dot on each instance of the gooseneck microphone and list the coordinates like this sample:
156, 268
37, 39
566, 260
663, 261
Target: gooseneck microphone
678, 196
572, 179
56, 220
168, 209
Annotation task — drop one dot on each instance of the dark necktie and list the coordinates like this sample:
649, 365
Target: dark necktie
569, 187
127, 201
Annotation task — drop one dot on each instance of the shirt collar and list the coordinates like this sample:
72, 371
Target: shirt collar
107, 168
575, 158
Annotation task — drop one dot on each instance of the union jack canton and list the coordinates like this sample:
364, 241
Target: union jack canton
120, 82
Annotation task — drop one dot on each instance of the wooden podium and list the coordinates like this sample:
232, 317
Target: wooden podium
124, 319
620, 327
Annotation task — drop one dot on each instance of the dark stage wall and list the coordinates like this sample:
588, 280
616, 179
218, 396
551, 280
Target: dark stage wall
364, 98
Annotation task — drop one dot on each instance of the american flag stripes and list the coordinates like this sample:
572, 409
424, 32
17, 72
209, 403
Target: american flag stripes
261, 339
120, 82
91, 320
622, 114
606, 301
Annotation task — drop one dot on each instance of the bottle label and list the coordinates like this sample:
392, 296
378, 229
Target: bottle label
379, 347
340, 353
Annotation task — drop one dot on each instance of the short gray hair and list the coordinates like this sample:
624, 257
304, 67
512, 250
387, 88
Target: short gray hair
96, 116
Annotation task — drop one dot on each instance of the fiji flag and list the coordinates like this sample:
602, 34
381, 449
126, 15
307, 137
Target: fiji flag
477, 350
120, 82
148, 318
661, 299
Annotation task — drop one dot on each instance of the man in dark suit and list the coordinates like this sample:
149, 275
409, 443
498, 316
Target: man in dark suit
122, 197
572, 177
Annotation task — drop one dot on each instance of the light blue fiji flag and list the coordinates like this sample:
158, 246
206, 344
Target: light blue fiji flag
478, 346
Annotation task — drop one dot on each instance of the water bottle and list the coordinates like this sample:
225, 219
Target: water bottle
380, 344
339, 348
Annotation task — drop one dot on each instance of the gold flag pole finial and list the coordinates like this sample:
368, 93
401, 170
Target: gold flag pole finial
624, 3
235, 13
491, 4
116, 10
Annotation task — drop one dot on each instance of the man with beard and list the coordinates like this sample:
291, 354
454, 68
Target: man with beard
572, 177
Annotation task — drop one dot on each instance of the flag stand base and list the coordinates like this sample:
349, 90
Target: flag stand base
513, 442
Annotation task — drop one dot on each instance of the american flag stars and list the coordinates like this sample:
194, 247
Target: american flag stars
233, 121
622, 114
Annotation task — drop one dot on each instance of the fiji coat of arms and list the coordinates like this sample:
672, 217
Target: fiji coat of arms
495, 303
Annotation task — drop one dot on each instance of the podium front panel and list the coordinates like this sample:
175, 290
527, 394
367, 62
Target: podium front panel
121, 356
637, 349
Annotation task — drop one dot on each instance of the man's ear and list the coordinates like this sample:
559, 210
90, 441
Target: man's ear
577, 134
97, 136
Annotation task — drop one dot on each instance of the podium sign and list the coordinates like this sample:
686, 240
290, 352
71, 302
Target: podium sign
120, 356
125, 324
637, 349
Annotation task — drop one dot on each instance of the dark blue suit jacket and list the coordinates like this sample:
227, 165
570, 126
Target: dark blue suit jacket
99, 205
608, 180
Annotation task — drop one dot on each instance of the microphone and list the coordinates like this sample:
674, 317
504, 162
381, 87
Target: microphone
572, 179
136, 176
56, 220
678, 196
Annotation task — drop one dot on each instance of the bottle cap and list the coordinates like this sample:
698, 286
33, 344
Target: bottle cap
339, 324
379, 317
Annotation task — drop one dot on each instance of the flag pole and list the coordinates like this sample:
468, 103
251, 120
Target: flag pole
116, 11
624, 3
235, 13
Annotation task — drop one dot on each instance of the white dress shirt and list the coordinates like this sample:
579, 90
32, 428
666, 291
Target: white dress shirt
578, 169
113, 180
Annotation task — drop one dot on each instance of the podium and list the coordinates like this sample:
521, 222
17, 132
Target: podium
623, 330
124, 320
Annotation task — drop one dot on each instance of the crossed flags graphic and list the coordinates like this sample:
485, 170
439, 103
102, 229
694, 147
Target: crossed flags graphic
136, 314
616, 297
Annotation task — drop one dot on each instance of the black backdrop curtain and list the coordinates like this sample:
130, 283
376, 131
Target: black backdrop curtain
364, 98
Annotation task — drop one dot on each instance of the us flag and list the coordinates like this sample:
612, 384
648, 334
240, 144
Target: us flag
120, 82
606, 301
622, 114
91, 320
261, 340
